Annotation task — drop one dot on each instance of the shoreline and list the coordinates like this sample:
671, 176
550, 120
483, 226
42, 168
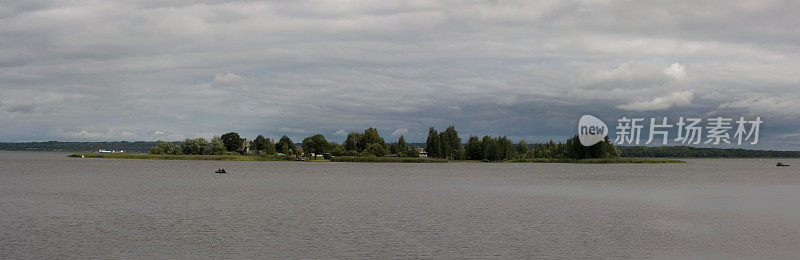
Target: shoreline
146, 156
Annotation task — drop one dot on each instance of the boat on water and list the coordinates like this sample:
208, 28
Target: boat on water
780, 164
220, 171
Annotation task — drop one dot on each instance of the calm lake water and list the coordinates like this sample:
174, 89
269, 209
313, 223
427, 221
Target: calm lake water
52, 206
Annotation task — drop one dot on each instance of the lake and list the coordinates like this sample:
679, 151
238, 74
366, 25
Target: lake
58, 207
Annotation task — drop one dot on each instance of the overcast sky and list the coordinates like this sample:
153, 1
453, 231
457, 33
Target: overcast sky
149, 70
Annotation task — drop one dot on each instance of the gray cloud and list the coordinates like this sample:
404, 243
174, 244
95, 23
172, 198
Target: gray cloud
98, 70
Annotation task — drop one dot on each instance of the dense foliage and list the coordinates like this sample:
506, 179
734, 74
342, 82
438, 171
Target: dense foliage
262, 145
315, 144
232, 141
402, 149
194, 146
285, 146
217, 146
446, 144
165, 148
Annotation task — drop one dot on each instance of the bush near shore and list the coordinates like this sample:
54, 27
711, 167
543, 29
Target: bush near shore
386, 159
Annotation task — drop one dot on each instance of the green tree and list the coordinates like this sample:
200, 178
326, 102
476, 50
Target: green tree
371, 136
285, 146
334, 146
232, 141
376, 149
259, 143
315, 144
337, 149
194, 146
506, 148
604, 149
474, 148
269, 147
432, 144
412, 152
491, 150
217, 146
522, 148
400, 148
162, 147
450, 144
353, 142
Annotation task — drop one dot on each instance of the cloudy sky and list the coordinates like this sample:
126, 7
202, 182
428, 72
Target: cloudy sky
149, 70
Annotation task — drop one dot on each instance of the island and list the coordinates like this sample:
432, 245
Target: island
369, 146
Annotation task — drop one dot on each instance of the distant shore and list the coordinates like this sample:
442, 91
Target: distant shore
623, 160
175, 157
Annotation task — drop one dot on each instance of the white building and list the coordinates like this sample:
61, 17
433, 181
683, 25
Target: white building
423, 153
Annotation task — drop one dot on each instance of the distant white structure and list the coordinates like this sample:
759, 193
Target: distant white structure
423, 153
110, 151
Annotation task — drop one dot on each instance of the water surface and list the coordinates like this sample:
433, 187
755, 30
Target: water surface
52, 206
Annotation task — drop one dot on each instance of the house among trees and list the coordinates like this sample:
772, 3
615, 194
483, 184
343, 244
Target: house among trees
422, 153
245, 146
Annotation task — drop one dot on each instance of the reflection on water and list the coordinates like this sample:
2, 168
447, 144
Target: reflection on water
58, 207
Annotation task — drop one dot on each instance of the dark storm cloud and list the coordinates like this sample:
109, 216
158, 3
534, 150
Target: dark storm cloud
146, 70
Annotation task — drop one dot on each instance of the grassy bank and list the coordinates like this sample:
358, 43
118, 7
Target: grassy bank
597, 160
229, 157
386, 159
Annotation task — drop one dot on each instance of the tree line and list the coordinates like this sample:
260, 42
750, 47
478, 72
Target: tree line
225, 144
448, 145
369, 143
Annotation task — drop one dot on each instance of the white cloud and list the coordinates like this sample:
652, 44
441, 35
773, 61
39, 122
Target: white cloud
341, 132
767, 106
84, 134
681, 98
676, 71
293, 130
228, 79
399, 132
206, 136
620, 74
95, 135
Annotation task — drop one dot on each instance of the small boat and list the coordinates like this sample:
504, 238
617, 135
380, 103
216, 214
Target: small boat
780, 164
220, 171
